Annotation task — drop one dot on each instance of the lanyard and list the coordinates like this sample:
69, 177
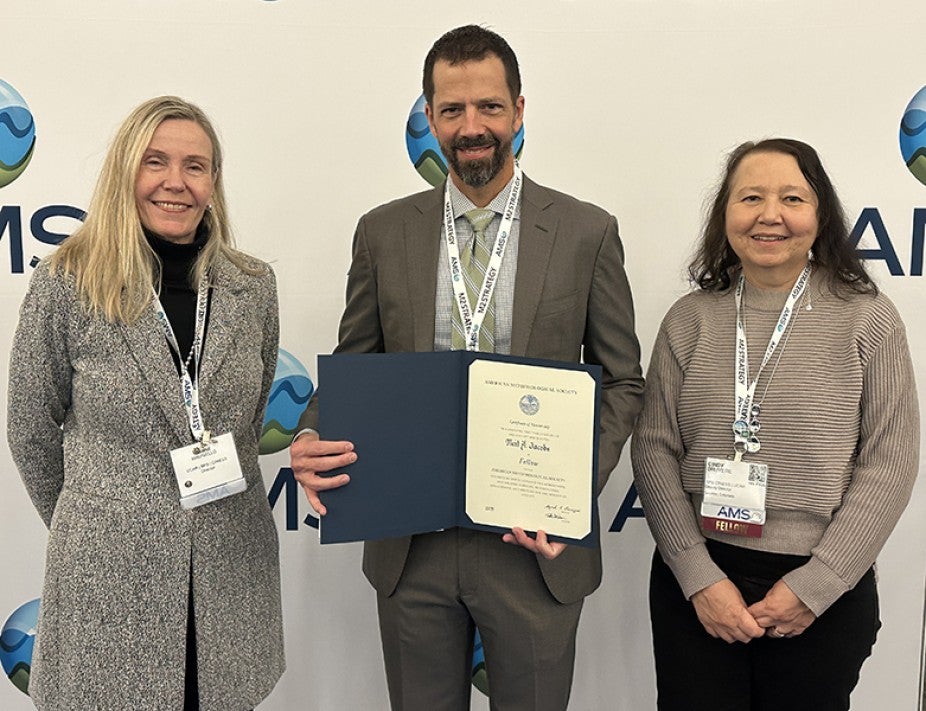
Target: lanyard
469, 317
189, 387
745, 420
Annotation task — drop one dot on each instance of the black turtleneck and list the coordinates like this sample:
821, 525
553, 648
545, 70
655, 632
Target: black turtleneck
178, 295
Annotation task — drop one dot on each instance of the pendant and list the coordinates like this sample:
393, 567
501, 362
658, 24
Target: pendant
741, 429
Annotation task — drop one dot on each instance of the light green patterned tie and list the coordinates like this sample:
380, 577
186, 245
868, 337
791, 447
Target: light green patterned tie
474, 263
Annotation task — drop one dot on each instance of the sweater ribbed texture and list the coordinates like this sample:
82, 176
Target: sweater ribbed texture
840, 432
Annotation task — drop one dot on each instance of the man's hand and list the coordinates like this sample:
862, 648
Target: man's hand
310, 455
782, 612
539, 545
721, 609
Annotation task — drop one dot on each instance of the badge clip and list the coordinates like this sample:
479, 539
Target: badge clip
739, 449
204, 444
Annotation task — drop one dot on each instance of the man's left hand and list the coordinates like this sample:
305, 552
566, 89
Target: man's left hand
539, 545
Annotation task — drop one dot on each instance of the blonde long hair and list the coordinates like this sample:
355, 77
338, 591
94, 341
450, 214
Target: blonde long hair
109, 257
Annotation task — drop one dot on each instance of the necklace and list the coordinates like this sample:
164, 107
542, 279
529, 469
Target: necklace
746, 424
752, 443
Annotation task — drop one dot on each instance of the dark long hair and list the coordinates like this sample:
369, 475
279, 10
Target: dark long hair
715, 262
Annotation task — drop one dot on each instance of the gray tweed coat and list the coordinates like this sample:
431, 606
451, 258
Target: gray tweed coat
94, 410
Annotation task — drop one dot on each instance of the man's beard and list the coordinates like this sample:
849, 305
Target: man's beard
477, 173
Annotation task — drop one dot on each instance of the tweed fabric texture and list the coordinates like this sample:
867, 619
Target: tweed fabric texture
94, 410
840, 432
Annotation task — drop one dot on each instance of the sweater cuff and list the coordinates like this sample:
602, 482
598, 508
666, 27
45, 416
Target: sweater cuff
694, 569
816, 584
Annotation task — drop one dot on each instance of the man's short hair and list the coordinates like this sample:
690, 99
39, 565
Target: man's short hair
471, 43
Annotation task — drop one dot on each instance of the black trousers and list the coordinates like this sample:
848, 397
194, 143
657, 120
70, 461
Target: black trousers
814, 671
191, 682
190, 677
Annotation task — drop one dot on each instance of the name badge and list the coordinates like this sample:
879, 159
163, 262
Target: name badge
734, 497
207, 472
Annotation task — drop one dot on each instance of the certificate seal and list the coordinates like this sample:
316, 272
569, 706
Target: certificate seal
530, 405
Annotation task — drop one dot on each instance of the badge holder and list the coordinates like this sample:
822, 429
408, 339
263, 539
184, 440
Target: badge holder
734, 496
208, 470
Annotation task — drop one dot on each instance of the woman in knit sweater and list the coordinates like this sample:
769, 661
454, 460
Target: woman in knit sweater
776, 449
139, 374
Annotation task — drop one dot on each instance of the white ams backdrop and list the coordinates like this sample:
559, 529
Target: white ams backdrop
629, 104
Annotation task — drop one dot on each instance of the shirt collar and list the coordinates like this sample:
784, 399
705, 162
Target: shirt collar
462, 204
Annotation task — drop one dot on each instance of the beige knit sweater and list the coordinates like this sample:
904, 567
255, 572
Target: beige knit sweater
840, 432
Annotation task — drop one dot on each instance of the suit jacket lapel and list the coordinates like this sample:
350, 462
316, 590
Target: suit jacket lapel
152, 354
227, 302
422, 249
535, 245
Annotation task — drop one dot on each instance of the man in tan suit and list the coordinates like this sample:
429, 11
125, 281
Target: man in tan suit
562, 294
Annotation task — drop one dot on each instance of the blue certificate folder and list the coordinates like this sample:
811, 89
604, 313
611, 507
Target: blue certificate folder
406, 415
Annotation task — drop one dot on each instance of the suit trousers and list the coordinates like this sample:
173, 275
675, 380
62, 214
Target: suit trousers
814, 671
459, 579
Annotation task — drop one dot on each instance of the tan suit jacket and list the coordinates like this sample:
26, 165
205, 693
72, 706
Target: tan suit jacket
572, 302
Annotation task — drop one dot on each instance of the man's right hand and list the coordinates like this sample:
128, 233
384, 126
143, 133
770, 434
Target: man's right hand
310, 455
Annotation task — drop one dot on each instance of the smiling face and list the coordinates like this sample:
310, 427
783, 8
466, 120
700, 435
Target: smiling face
771, 219
175, 180
475, 119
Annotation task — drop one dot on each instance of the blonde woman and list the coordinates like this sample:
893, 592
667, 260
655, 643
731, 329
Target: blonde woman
139, 374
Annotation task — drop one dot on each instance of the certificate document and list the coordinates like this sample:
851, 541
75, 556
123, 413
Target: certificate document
460, 438
530, 447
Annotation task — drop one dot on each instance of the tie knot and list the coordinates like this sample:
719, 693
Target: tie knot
480, 219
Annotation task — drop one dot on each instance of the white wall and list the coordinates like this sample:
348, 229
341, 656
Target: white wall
629, 104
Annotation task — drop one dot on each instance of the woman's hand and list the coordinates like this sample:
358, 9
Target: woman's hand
782, 612
721, 609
